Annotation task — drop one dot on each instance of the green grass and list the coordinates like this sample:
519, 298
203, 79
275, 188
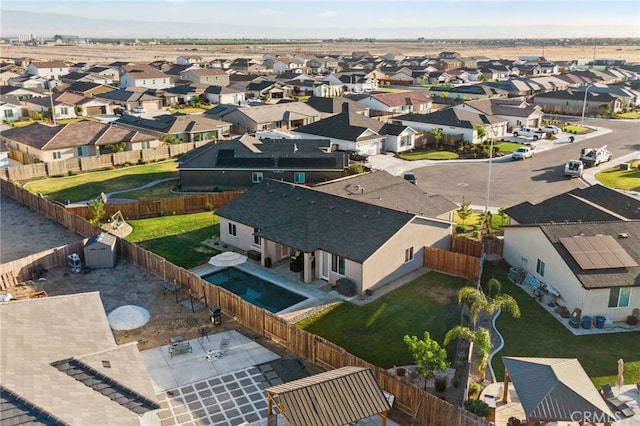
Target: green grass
432, 155
508, 147
497, 221
161, 190
628, 115
186, 110
621, 179
176, 238
89, 185
388, 90
538, 334
574, 129
374, 331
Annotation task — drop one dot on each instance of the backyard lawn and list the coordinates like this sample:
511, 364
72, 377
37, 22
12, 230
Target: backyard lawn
538, 334
88, 186
428, 155
177, 238
374, 331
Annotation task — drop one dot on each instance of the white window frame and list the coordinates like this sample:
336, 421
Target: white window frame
622, 291
338, 265
257, 177
57, 155
408, 254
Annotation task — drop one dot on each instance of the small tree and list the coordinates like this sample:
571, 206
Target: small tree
480, 339
172, 139
493, 284
481, 131
97, 210
464, 212
437, 135
427, 354
478, 303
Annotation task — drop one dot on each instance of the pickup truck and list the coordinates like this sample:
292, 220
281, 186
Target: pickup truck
530, 132
594, 156
573, 168
523, 153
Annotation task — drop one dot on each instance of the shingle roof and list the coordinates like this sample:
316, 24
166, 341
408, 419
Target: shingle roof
172, 124
401, 98
383, 189
143, 71
556, 389
68, 327
44, 137
278, 112
451, 117
315, 220
627, 234
595, 203
349, 126
334, 105
128, 95
503, 107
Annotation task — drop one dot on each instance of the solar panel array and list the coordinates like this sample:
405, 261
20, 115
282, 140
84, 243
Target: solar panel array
597, 252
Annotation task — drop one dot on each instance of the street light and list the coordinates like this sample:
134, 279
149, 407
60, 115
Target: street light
53, 109
584, 103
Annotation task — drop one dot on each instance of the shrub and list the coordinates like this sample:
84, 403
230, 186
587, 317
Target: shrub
477, 407
460, 229
441, 384
476, 234
474, 389
209, 207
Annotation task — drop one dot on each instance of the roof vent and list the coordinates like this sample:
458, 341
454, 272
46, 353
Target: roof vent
332, 207
347, 211
623, 235
312, 202
106, 364
298, 198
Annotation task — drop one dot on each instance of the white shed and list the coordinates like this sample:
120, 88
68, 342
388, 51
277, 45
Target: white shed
100, 251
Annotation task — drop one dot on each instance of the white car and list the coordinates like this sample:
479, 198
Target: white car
553, 129
139, 110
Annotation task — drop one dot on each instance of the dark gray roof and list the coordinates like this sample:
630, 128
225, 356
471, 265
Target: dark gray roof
172, 123
575, 95
334, 105
383, 189
347, 126
626, 233
82, 86
127, 95
247, 152
309, 220
555, 389
602, 204
354, 391
451, 117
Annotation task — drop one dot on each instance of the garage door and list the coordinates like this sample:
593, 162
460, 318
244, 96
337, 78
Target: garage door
95, 110
150, 106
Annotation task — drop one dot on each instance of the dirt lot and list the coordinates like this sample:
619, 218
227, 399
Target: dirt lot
103, 54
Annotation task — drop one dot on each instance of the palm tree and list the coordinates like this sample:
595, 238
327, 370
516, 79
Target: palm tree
480, 340
479, 302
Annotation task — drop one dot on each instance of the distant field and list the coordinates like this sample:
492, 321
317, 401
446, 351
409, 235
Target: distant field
106, 53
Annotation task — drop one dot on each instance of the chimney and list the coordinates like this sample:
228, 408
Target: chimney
345, 107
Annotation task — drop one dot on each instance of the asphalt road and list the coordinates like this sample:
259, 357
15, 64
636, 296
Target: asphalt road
533, 180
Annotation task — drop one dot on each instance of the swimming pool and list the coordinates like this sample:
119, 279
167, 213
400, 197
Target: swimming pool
255, 290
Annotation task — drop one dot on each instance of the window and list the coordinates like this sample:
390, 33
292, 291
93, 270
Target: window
83, 151
257, 177
337, 264
408, 254
57, 155
619, 297
540, 268
64, 110
146, 145
8, 113
232, 230
405, 140
298, 177
256, 239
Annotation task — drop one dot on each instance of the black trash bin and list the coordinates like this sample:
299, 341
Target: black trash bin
267, 262
215, 315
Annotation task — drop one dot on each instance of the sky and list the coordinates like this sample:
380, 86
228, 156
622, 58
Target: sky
402, 19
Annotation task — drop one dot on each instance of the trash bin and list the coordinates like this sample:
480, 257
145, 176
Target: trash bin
600, 320
215, 315
267, 262
586, 322
67, 202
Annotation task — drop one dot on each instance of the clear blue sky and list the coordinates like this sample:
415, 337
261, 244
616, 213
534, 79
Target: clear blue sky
351, 18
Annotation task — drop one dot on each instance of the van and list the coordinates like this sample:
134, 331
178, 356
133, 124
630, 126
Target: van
411, 178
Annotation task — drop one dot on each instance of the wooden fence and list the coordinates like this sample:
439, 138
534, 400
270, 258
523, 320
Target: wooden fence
161, 207
465, 246
32, 168
449, 262
423, 407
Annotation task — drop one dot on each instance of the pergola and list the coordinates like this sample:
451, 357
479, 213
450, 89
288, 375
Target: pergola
555, 389
333, 398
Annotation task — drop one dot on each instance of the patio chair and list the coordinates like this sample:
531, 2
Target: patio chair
574, 319
616, 402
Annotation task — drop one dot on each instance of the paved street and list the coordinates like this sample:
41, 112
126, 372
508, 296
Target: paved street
513, 182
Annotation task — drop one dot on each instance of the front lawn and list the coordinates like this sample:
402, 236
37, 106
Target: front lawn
177, 238
507, 147
88, 186
428, 155
574, 129
374, 331
538, 334
629, 115
621, 179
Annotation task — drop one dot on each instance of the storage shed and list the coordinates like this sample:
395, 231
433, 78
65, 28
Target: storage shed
100, 251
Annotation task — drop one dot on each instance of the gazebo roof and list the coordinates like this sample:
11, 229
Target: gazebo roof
556, 389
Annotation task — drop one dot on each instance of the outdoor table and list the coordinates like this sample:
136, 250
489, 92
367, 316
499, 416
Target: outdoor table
172, 287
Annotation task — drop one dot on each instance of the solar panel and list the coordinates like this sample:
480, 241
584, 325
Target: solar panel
597, 252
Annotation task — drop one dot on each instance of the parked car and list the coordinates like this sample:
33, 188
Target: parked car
530, 132
553, 129
410, 177
573, 168
523, 153
139, 110
358, 156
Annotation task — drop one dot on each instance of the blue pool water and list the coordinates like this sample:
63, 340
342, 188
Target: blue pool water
255, 290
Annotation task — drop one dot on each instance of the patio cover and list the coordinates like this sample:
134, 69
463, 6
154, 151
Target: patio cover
336, 397
556, 389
